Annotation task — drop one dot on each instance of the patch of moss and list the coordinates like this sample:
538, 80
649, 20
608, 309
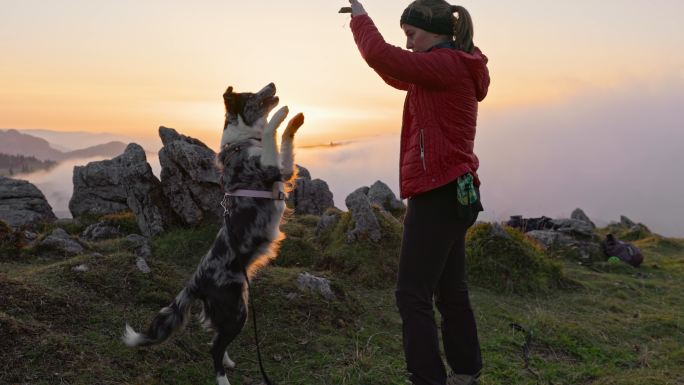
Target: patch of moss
299, 248
11, 242
625, 233
660, 244
125, 221
373, 264
509, 262
184, 247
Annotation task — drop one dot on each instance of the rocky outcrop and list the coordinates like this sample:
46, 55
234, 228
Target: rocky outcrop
310, 196
381, 195
366, 224
121, 183
190, 178
574, 227
575, 237
21, 203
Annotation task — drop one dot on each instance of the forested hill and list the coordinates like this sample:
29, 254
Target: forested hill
14, 164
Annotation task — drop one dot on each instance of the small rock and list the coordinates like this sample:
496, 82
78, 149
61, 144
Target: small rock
140, 245
291, 296
327, 221
61, 241
142, 265
306, 281
30, 236
81, 268
99, 231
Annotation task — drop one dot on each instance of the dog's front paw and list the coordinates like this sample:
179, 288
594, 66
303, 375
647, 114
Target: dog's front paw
293, 125
278, 118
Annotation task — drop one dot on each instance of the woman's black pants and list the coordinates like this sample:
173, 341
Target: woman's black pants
432, 265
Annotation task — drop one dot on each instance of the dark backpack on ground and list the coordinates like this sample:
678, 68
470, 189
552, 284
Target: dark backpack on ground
627, 252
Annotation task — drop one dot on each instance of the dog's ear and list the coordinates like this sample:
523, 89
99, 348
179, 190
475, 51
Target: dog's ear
228, 97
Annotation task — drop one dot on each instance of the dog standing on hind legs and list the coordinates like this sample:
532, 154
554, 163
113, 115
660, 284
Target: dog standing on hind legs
253, 175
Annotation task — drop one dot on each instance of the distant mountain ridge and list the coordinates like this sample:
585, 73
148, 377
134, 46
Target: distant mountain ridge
13, 142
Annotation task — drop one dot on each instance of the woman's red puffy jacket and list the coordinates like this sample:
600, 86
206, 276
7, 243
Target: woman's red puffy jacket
440, 112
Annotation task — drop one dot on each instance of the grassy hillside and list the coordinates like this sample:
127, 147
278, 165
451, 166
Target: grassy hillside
614, 325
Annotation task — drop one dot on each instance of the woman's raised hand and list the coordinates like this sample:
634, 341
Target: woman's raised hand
357, 8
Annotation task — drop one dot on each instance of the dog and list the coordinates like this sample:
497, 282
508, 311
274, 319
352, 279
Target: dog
254, 175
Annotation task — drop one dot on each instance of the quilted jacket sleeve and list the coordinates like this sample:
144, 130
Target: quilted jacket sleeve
398, 84
425, 69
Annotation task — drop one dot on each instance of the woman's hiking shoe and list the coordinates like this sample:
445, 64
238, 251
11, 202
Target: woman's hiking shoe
462, 379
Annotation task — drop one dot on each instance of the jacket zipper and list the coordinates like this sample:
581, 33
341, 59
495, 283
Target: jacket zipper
422, 149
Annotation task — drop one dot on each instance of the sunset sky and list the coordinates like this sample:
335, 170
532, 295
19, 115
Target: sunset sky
129, 66
585, 107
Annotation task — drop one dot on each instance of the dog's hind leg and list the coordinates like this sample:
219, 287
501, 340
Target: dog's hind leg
218, 350
269, 156
228, 312
286, 145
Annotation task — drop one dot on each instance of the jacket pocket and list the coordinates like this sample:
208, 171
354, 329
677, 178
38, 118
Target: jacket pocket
422, 149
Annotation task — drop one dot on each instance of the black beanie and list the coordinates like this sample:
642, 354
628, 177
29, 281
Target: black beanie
440, 25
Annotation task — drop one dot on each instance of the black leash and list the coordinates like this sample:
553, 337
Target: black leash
526, 351
526, 347
227, 207
256, 332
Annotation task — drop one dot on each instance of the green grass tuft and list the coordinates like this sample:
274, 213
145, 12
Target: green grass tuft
510, 262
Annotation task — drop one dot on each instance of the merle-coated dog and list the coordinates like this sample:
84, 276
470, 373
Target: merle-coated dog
253, 174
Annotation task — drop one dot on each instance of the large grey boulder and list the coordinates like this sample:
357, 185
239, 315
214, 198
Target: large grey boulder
303, 173
366, 223
574, 227
583, 249
190, 178
580, 215
61, 242
118, 184
21, 203
381, 195
310, 196
98, 189
550, 238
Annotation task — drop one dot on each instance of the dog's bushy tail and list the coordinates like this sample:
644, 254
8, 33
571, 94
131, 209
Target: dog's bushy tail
168, 320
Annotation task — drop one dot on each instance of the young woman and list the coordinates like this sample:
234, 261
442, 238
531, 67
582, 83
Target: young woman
445, 77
